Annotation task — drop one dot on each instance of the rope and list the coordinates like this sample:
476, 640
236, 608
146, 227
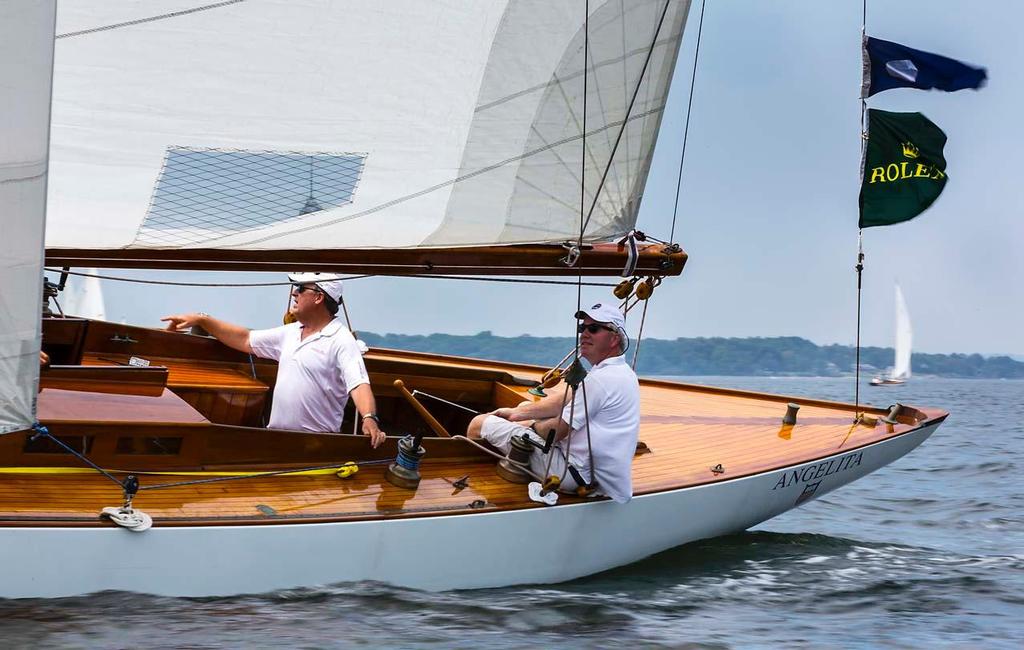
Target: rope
590, 446
639, 335
140, 21
568, 440
219, 479
441, 399
43, 431
523, 466
348, 321
686, 128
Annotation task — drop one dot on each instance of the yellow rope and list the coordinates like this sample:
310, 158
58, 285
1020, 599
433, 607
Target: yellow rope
86, 470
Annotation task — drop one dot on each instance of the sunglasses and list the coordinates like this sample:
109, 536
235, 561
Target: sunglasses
299, 288
593, 328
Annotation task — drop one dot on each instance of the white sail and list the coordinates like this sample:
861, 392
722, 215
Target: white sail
26, 62
904, 338
303, 124
83, 296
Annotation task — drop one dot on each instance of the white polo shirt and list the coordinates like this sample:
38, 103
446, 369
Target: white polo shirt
613, 403
314, 377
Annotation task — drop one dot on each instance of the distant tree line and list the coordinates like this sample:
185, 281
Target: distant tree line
784, 355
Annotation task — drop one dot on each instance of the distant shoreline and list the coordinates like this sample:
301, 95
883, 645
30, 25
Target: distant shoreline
786, 356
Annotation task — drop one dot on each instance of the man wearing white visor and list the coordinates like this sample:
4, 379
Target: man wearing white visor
319, 361
610, 410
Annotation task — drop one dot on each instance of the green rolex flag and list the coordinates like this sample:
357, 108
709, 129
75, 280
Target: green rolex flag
904, 171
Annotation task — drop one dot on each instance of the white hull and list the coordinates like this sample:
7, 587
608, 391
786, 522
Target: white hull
542, 545
885, 381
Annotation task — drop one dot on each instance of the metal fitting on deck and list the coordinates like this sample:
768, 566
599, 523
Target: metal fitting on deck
405, 471
894, 411
519, 452
790, 416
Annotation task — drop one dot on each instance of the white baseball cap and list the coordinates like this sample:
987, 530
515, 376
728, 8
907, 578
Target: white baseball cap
329, 283
608, 314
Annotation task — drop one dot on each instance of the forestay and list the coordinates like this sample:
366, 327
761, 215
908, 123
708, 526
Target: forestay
26, 62
302, 124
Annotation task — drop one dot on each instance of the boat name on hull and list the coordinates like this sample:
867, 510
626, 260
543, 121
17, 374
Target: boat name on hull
821, 470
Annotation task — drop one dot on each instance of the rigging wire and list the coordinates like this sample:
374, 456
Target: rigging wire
583, 167
140, 21
860, 231
686, 128
629, 110
243, 285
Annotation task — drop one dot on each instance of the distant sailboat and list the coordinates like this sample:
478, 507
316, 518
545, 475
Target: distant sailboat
900, 371
84, 297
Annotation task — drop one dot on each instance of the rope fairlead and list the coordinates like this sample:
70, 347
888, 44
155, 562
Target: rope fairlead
126, 516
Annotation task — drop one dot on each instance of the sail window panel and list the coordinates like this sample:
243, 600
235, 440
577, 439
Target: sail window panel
202, 194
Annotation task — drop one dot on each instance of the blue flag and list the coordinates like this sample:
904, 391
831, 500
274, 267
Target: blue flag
891, 65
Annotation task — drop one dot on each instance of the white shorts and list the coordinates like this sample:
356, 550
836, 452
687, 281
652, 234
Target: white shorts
499, 432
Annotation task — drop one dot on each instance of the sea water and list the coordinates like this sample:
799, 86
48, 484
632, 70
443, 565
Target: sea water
928, 552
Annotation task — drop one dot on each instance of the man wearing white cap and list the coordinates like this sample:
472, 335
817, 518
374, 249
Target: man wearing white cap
606, 404
319, 361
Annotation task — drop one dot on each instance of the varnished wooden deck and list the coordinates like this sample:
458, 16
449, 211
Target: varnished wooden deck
688, 430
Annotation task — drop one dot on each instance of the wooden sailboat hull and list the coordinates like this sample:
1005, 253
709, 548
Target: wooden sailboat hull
714, 461
486, 549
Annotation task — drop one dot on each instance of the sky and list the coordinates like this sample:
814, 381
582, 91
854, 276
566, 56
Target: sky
768, 206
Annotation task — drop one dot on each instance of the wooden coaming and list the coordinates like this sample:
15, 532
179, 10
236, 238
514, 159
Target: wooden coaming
222, 392
127, 380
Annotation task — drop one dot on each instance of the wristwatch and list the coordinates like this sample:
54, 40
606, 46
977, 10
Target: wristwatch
372, 416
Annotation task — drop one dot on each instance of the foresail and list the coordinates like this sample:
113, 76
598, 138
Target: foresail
26, 57
904, 338
302, 125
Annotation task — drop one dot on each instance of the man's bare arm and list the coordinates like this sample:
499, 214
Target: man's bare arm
547, 407
231, 335
544, 427
362, 397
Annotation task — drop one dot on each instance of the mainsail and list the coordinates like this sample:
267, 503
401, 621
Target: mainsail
26, 63
304, 125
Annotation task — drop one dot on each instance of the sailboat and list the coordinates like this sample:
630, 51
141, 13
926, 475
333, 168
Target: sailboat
402, 138
84, 296
900, 371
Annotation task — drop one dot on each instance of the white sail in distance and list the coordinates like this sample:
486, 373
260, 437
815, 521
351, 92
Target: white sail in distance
904, 338
26, 62
304, 125
83, 296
